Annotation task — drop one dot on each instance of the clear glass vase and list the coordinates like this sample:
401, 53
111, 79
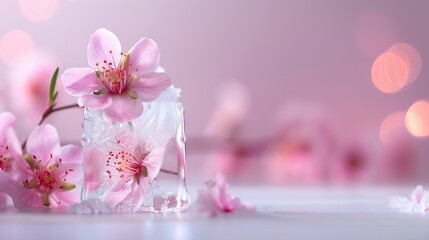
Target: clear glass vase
138, 165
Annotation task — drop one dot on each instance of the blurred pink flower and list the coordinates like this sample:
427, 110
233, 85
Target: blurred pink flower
216, 198
398, 162
356, 163
351, 167
130, 167
302, 148
418, 202
30, 81
232, 105
48, 175
117, 82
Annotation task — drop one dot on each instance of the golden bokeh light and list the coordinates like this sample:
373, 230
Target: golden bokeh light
389, 73
417, 119
411, 57
394, 69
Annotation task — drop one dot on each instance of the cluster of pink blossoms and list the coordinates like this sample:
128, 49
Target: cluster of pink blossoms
45, 175
115, 82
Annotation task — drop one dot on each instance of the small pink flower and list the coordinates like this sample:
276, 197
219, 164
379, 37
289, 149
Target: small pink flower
216, 198
130, 165
117, 82
48, 175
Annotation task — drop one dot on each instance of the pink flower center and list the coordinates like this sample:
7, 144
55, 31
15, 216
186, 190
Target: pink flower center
115, 78
127, 164
47, 178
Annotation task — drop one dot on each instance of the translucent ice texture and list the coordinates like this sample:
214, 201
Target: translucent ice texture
138, 165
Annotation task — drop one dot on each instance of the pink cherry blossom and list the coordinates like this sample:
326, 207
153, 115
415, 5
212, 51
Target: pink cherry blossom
130, 166
117, 82
10, 152
48, 175
10, 149
216, 198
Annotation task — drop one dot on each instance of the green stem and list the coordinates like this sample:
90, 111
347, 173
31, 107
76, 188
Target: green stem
47, 113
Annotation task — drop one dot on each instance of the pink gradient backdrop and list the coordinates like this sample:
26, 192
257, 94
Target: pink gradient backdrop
283, 52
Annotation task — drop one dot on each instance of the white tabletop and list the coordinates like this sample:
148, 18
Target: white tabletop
283, 213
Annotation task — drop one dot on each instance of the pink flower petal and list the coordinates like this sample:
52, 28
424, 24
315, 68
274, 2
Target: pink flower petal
94, 163
26, 198
3, 201
22, 197
95, 102
66, 198
154, 161
103, 46
150, 85
80, 81
144, 55
123, 109
13, 142
15, 189
139, 194
7, 133
71, 165
42, 142
5, 180
7, 120
118, 193
21, 171
71, 154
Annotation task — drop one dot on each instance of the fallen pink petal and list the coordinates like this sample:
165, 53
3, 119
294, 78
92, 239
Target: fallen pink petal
417, 202
216, 198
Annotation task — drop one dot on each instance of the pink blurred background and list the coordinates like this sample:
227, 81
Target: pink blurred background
279, 92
